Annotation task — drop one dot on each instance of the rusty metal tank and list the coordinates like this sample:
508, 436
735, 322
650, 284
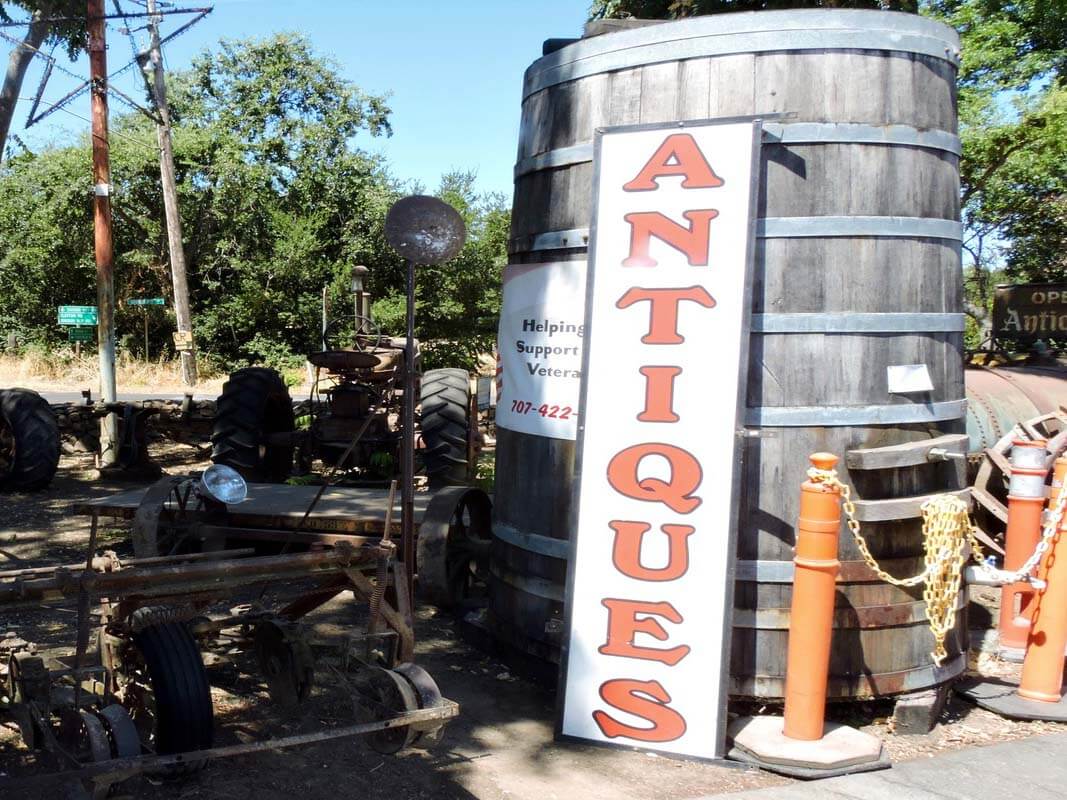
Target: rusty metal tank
999, 398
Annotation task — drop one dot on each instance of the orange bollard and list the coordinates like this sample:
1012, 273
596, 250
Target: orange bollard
1042, 677
1026, 501
812, 615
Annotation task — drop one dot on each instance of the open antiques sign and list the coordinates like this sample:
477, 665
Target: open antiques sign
651, 581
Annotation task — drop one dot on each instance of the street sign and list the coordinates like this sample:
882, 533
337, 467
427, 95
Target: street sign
77, 315
81, 334
146, 301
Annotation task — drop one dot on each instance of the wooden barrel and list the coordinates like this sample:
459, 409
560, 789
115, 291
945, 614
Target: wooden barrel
857, 269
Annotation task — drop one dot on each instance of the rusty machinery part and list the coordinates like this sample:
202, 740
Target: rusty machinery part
82, 735
28, 682
254, 404
445, 399
163, 684
286, 661
29, 440
145, 530
429, 696
424, 230
125, 740
453, 547
384, 694
990, 486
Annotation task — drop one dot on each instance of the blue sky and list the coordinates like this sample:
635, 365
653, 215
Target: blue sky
454, 71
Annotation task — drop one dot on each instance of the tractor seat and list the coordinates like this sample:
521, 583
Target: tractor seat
344, 360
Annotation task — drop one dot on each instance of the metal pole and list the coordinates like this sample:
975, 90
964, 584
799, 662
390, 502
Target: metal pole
407, 502
103, 244
146, 334
170, 202
324, 316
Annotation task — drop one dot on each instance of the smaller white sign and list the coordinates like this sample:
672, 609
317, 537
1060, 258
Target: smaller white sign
909, 379
542, 325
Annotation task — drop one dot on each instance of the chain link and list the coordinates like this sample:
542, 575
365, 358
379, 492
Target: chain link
947, 534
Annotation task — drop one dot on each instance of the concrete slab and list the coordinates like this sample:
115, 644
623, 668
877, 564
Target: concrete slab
1026, 768
841, 750
999, 697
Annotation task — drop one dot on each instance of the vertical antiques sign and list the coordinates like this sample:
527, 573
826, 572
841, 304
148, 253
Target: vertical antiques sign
651, 579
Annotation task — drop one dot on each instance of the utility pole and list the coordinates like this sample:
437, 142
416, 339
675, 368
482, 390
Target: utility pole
186, 346
102, 239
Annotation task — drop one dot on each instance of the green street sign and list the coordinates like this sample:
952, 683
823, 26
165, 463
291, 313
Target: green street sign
77, 315
146, 301
80, 334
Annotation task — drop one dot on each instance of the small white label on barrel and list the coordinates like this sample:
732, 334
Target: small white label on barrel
542, 325
909, 378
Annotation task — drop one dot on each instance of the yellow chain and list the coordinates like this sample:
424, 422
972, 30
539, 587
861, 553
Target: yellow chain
947, 531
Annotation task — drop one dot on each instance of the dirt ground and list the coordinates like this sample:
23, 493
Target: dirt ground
499, 748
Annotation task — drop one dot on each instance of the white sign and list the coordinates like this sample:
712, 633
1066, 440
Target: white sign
542, 322
651, 580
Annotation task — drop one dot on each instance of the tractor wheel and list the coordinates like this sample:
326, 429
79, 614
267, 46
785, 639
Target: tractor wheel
29, 440
175, 714
446, 426
254, 403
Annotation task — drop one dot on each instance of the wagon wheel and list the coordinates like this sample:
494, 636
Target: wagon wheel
453, 547
990, 491
429, 696
384, 694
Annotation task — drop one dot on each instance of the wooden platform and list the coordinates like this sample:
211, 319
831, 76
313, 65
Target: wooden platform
347, 509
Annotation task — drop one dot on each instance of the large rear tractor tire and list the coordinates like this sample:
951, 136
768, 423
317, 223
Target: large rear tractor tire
254, 403
446, 426
29, 441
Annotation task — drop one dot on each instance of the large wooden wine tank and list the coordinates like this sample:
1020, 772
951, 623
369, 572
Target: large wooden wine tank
857, 269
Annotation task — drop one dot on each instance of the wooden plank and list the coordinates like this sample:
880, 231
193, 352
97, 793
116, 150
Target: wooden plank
898, 508
279, 503
908, 454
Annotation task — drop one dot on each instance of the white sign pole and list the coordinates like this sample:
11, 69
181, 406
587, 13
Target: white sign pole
651, 575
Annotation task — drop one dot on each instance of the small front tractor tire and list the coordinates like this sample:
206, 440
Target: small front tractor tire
29, 441
254, 402
446, 426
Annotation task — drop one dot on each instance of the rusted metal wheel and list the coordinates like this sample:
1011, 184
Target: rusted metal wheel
83, 735
384, 694
990, 491
429, 696
286, 661
453, 547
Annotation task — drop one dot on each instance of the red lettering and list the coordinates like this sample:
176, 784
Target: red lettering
659, 394
626, 552
676, 493
663, 314
677, 155
645, 699
623, 626
693, 241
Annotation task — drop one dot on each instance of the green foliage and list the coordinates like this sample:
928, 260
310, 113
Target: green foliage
67, 26
277, 201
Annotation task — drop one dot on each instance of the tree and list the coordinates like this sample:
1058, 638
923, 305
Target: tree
678, 9
51, 22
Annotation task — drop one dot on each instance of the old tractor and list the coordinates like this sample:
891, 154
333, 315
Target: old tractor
356, 396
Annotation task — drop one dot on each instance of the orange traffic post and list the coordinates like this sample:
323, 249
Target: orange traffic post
1026, 502
1042, 678
812, 615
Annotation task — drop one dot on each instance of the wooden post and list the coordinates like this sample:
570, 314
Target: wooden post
103, 243
170, 200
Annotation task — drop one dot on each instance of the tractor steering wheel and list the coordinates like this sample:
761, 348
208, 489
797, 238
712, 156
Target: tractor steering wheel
362, 341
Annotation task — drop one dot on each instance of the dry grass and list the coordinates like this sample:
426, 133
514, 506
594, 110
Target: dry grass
62, 370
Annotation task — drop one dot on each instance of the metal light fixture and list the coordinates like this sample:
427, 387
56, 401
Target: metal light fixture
223, 484
359, 272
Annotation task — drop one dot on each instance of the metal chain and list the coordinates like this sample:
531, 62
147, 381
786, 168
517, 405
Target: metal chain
947, 532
